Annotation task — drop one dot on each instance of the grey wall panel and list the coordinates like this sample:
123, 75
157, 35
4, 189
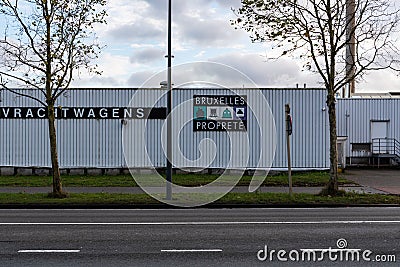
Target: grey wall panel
354, 118
309, 140
98, 143
310, 132
189, 141
81, 143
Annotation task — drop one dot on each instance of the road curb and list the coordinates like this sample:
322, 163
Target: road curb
209, 206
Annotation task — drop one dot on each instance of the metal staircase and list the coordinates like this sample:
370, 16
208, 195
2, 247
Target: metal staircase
386, 149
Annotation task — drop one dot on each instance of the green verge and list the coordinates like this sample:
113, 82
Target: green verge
231, 198
299, 179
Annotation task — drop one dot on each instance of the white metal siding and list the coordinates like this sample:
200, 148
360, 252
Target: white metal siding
354, 118
98, 143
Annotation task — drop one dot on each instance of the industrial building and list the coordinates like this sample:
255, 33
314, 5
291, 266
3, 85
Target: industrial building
370, 125
91, 123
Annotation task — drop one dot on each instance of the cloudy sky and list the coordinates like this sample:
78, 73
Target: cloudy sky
135, 39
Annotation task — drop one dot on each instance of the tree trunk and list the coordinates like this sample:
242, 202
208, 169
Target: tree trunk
57, 185
332, 186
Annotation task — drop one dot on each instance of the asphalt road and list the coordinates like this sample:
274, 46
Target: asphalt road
197, 237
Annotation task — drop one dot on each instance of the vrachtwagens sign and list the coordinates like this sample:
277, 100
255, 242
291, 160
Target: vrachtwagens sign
217, 113
87, 113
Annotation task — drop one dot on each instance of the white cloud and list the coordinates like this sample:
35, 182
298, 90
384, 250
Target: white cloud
138, 31
207, 33
136, 44
147, 55
115, 66
200, 54
379, 81
283, 72
98, 82
138, 78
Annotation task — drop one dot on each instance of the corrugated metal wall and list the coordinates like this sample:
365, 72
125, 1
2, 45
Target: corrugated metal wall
354, 118
98, 143
310, 140
81, 143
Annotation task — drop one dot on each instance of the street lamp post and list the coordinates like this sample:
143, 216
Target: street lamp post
351, 49
169, 106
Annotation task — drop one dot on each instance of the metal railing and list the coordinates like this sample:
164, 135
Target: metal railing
386, 146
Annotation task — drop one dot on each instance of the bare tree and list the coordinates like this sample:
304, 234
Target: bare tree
45, 43
319, 32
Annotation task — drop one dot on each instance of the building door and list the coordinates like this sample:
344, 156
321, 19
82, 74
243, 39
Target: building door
379, 131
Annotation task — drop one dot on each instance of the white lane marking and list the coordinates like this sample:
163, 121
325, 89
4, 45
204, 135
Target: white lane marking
190, 250
202, 223
48, 251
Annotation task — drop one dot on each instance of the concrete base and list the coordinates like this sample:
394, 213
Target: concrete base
94, 172
7, 171
138, 171
112, 172
24, 171
46, 171
217, 171
127, 172
77, 172
257, 173
42, 172
180, 172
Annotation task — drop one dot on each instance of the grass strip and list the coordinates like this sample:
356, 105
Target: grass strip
230, 198
299, 179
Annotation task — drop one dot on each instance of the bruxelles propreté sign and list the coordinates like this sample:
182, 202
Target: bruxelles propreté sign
217, 113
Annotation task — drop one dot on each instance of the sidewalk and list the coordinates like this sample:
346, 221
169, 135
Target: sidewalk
387, 181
